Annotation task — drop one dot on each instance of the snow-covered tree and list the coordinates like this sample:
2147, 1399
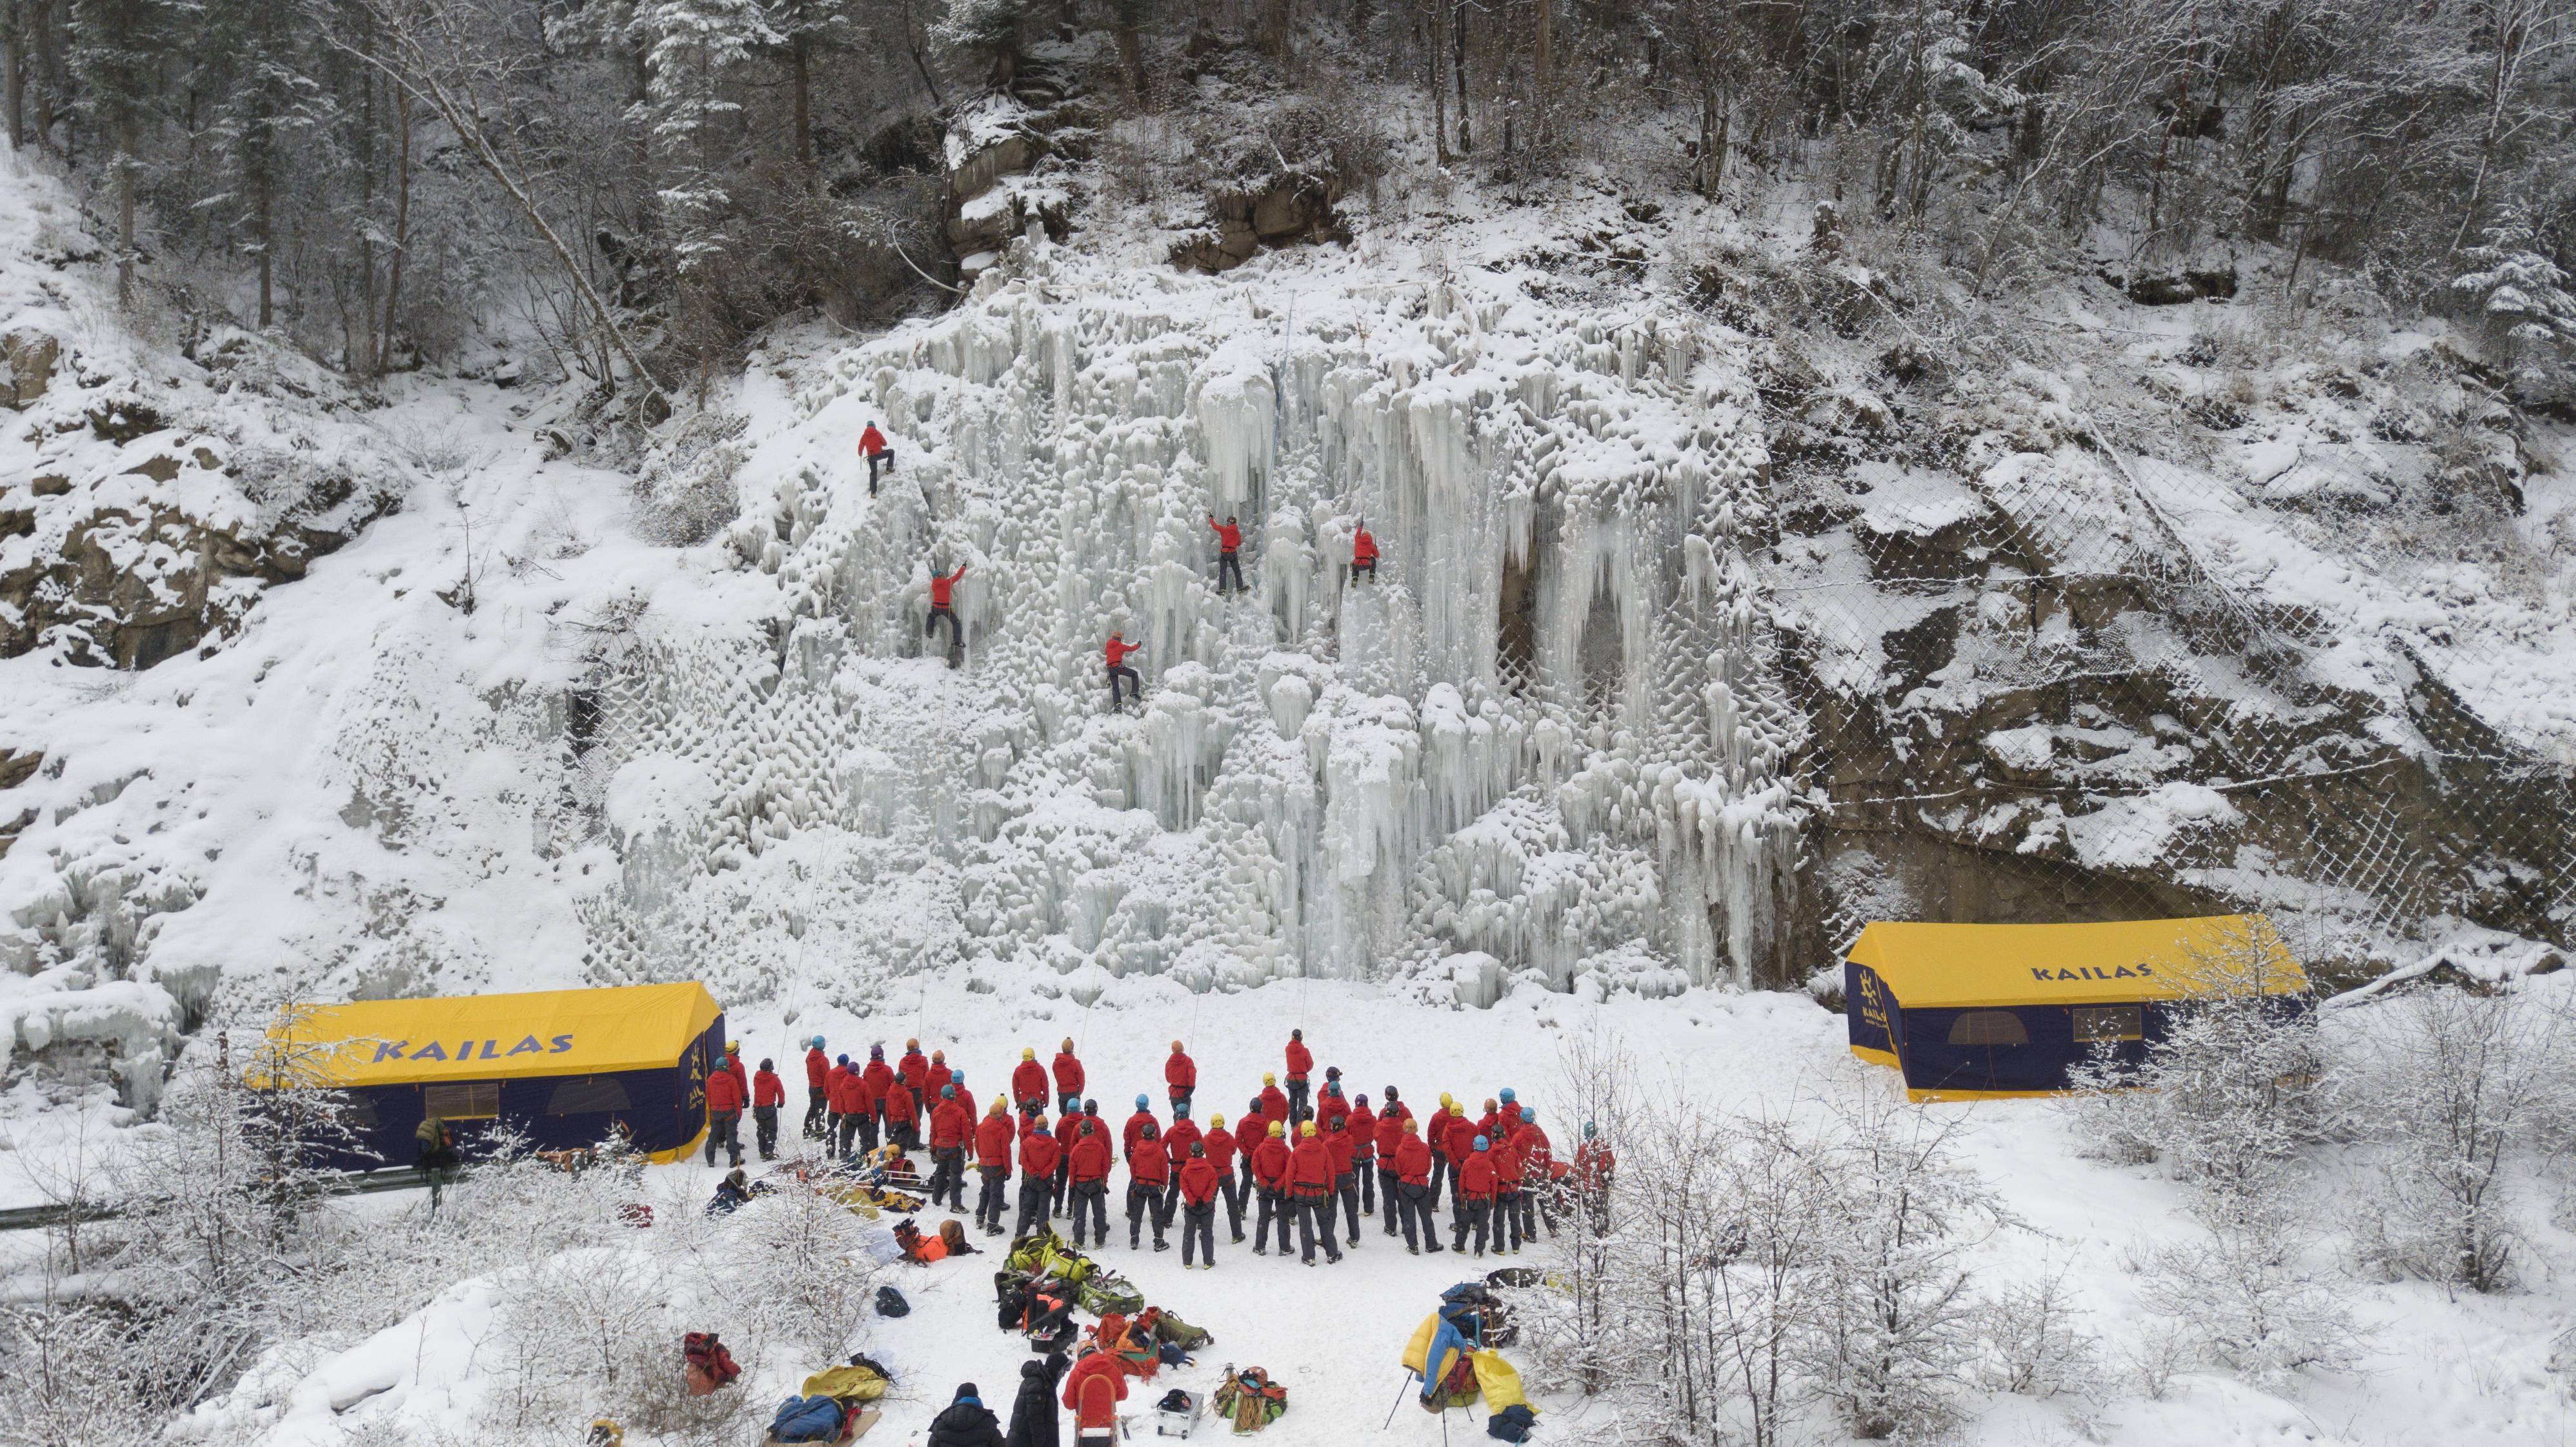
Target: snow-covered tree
2528, 305
694, 55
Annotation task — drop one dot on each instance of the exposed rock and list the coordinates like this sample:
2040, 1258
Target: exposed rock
29, 359
1288, 210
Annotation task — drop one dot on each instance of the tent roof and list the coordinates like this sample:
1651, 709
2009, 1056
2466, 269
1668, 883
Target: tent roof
1952, 965
484, 1037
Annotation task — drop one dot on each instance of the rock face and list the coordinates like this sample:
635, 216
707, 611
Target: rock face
1009, 156
1288, 210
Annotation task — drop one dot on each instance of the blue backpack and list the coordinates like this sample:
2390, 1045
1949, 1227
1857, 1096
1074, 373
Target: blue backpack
807, 1419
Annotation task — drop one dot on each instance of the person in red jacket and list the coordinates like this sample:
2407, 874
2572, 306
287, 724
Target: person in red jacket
1270, 1160
1506, 1156
1229, 549
724, 1115
951, 1131
1475, 1194
878, 1078
768, 1093
1028, 1080
1220, 1153
1301, 1063
1363, 553
1087, 1173
1594, 1166
902, 1112
965, 1097
852, 1110
1539, 1174
1274, 1102
872, 446
1362, 1125
1339, 1146
818, 1089
1249, 1135
1198, 1180
1149, 1176
1068, 1078
1116, 651
1040, 1157
1068, 1129
943, 587
936, 1075
1181, 1076
1457, 1141
914, 1066
832, 1079
1094, 1363
1137, 1124
1390, 1138
1413, 1186
1178, 1137
992, 1166
1310, 1193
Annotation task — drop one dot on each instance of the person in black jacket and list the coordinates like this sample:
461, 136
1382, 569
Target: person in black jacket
1033, 1413
966, 1423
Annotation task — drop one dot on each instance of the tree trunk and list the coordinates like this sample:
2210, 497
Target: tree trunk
125, 168
402, 230
1458, 68
14, 83
800, 75
1542, 62
1440, 81
267, 262
912, 43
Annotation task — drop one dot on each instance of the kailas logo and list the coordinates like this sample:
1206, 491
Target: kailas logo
1873, 1005
2092, 972
437, 1049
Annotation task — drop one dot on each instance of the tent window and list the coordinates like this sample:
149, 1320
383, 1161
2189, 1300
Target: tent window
2105, 1024
473, 1100
586, 1096
1988, 1027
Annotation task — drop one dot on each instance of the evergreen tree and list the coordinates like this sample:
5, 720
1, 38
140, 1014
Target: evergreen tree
690, 114
117, 48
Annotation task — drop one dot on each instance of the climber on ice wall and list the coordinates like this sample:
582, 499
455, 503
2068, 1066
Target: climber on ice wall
1116, 651
1229, 545
872, 446
1363, 554
942, 590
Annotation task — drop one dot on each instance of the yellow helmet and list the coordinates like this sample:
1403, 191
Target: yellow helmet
996, 1108
1278, 1129
1307, 1129
1445, 1101
1028, 1052
1456, 1109
1269, 1078
733, 1047
1216, 1122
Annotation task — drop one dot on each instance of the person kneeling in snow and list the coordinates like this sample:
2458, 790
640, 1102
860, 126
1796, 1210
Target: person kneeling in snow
966, 1423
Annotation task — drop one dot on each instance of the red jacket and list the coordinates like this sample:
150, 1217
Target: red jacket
1363, 1128
1150, 1166
1180, 1073
1270, 1164
1507, 1164
832, 1085
1183, 1135
767, 1089
1301, 1061
733, 1066
1116, 652
1274, 1103
950, 1127
1068, 1128
1029, 1081
932, 1076
1538, 1158
914, 1066
1476, 1177
1337, 1146
940, 587
1228, 537
878, 1075
1068, 1071
1038, 1155
872, 442
1310, 1170
1413, 1161
1220, 1148
1390, 1137
1089, 1159
850, 1096
993, 1142
897, 1103
1250, 1133
818, 1068
724, 1093
1593, 1165
1198, 1180
1457, 1138
1363, 547
1134, 1130
1094, 1364
966, 1099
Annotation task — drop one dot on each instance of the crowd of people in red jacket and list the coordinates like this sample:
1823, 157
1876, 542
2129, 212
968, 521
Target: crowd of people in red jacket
1301, 1154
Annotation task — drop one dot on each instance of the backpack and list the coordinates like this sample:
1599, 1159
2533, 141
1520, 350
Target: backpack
710, 1357
952, 1234
1105, 1292
428, 1133
808, 1419
1513, 1423
890, 1302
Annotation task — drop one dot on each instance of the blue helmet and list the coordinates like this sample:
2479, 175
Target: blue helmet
845, 1058
1587, 1130
948, 1092
1482, 1144
1180, 1110
1528, 1114
1140, 1102
1507, 1095
957, 1075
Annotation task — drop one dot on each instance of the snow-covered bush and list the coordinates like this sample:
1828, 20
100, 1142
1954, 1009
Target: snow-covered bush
2034, 1341
2243, 1294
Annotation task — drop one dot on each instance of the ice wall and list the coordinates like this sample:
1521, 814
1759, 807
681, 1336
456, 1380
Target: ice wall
1547, 732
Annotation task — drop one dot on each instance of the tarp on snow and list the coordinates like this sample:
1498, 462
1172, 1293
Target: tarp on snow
1968, 1010
559, 1067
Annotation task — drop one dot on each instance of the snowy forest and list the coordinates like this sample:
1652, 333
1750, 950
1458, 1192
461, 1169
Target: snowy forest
1827, 461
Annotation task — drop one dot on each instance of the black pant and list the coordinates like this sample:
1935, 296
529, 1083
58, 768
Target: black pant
1415, 1210
1388, 1186
1232, 1189
1090, 1198
1472, 1214
1034, 1193
724, 1127
930, 629
1314, 1218
948, 1178
875, 460
1135, 684
1507, 1220
1439, 1173
1346, 1186
849, 1133
1364, 1175
818, 1110
764, 1128
1063, 1184
1227, 561
1066, 1100
990, 1195
1144, 1200
1181, 1103
1296, 1099
1369, 567
1274, 1210
1198, 1226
